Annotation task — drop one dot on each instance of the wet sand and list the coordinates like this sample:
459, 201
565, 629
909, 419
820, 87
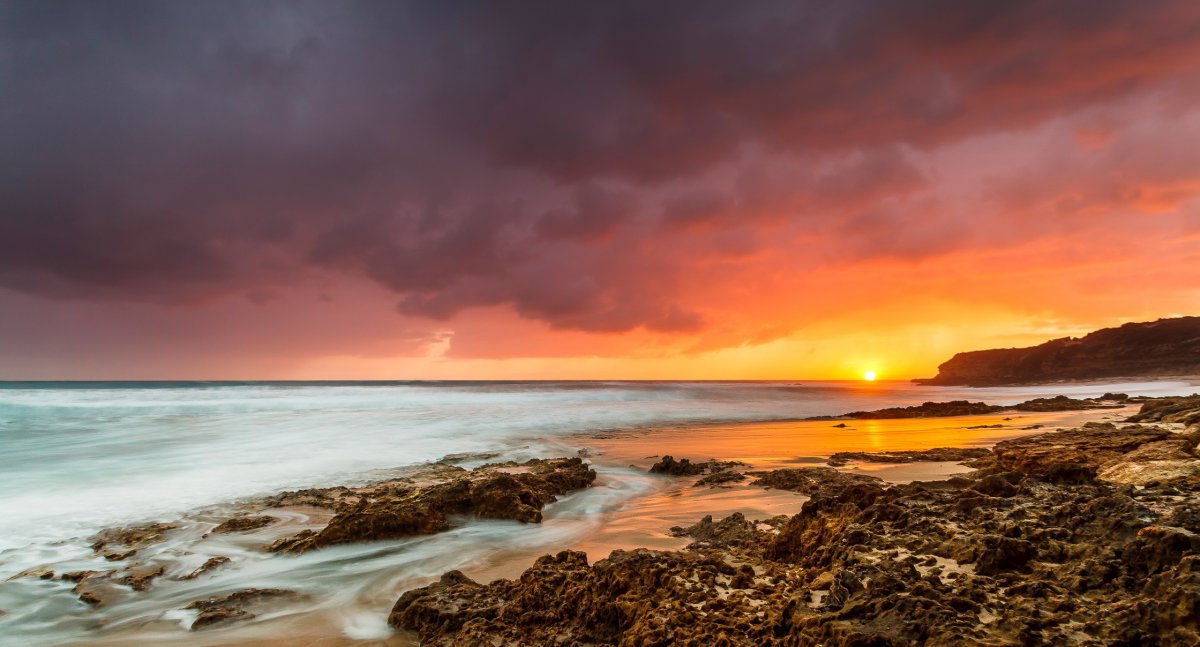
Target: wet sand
775, 445
644, 519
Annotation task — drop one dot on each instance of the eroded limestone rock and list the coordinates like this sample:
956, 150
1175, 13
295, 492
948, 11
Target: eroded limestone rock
1001, 556
501, 491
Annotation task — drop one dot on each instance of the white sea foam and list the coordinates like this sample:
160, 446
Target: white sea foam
77, 459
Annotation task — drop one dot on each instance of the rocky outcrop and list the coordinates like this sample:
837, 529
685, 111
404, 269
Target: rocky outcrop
967, 408
1152, 462
115, 544
685, 467
1007, 555
731, 532
1063, 403
208, 565
1074, 453
924, 410
394, 510
811, 480
1163, 347
948, 454
239, 605
720, 479
139, 578
244, 524
94, 587
1185, 410
39, 572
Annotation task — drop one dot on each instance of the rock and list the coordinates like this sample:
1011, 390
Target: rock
812, 480
244, 524
505, 497
1060, 403
1163, 347
967, 408
682, 467
685, 467
998, 485
733, 530
955, 454
638, 597
122, 543
1158, 548
720, 479
40, 572
925, 410
208, 565
809, 536
1192, 436
77, 576
373, 520
1000, 554
139, 578
464, 457
1091, 447
1158, 461
1185, 410
240, 605
1146, 473
95, 587
505, 491
1069, 474
425, 606
1043, 556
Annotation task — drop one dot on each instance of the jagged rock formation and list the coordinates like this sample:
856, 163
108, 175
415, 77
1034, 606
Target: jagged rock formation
392, 510
239, 605
955, 408
1184, 410
1012, 554
923, 410
955, 454
244, 524
1163, 347
812, 480
116, 544
685, 467
1074, 453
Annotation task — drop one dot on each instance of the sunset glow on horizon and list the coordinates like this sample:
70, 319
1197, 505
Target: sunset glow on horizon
792, 192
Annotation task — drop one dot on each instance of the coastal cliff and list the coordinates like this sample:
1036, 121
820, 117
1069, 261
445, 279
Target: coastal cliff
1163, 347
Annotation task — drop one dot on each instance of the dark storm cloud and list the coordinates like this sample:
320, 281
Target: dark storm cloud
653, 90
535, 155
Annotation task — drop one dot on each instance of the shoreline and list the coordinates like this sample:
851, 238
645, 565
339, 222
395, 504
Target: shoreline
626, 509
1087, 535
645, 519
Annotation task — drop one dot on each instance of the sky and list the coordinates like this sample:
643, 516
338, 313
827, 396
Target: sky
605, 190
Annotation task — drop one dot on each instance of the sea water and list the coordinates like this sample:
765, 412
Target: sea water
79, 457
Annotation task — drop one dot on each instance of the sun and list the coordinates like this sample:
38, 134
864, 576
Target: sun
869, 376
